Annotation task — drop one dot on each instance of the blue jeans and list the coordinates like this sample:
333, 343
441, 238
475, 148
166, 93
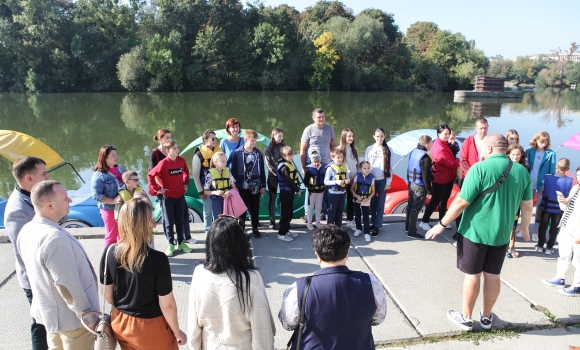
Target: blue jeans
335, 208
365, 217
37, 330
217, 207
378, 203
207, 213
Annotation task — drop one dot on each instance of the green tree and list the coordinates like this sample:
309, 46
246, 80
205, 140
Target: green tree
574, 74
132, 70
163, 62
209, 70
323, 11
269, 53
326, 58
499, 68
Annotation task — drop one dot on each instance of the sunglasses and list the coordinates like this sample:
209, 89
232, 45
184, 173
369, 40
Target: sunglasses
111, 148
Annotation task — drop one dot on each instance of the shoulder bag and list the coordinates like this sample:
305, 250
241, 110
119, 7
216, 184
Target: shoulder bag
298, 331
499, 182
103, 333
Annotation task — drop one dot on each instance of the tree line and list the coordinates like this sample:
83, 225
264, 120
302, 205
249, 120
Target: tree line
540, 71
205, 45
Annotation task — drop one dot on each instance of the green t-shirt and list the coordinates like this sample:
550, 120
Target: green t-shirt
489, 219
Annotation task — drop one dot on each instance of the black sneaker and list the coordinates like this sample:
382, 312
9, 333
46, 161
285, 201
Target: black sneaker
322, 217
415, 236
256, 233
375, 232
455, 236
272, 226
372, 227
457, 318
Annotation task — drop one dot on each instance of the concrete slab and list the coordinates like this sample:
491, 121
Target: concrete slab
422, 279
281, 263
547, 339
15, 321
7, 259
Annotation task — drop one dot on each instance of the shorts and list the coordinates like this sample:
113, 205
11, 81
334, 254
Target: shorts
474, 258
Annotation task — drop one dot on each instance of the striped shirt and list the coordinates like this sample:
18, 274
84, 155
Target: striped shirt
569, 211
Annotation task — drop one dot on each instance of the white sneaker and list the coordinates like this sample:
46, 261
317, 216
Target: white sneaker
367, 237
449, 227
292, 234
351, 225
357, 233
285, 238
534, 237
425, 226
310, 227
318, 225
519, 234
192, 240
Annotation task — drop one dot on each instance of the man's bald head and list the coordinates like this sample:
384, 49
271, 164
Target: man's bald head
497, 142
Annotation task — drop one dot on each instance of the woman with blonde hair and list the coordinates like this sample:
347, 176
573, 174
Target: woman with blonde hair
139, 285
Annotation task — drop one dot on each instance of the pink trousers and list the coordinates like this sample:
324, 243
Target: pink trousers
111, 228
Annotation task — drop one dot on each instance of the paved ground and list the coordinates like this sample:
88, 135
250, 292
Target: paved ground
419, 276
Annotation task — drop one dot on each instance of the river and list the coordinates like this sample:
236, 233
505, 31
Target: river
77, 125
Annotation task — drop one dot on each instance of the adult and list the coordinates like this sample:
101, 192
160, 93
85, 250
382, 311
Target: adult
105, 184
419, 177
239, 316
489, 209
249, 171
273, 156
444, 173
27, 171
157, 155
200, 165
233, 141
470, 153
318, 137
138, 284
61, 276
353, 301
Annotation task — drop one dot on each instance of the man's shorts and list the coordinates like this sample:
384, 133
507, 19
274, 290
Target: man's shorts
473, 258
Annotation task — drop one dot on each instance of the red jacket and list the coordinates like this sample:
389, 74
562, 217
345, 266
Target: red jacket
444, 163
173, 175
468, 155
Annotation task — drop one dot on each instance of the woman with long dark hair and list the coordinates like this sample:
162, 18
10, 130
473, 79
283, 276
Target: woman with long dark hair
106, 182
139, 284
379, 155
240, 315
444, 172
273, 155
351, 159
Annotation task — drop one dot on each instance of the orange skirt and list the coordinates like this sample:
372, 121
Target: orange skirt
134, 333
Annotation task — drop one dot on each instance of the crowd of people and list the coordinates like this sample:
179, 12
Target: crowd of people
227, 302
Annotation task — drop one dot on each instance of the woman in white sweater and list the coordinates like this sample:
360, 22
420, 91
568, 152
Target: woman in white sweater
228, 307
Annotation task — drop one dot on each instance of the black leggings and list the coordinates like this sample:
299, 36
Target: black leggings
439, 198
545, 219
272, 189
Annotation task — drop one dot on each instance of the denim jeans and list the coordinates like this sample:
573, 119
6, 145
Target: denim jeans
207, 213
217, 207
174, 215
378, 203
365, 217
417, 195
335, 208
37, 330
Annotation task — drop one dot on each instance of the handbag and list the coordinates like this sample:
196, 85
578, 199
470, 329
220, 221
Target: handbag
298, 331
103, 333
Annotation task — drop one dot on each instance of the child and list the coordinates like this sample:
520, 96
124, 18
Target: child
218, 182
200, 165
515, 152
512, 136
131, 181
351, 159
379, 155
541, 160
554, 185
289, 184
362, 191
336, 178
314, 181
173, 176
569, 242
248, 170
273, 156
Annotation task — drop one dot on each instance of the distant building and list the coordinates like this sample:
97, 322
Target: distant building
574, 58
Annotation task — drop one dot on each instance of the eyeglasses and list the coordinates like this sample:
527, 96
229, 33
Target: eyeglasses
111, 148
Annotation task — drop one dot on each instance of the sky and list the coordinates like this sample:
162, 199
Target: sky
509, 27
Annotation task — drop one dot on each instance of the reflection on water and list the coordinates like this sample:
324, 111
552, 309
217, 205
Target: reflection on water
77, 125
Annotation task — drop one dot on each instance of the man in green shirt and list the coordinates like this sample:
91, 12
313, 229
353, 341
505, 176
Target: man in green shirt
486, 226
